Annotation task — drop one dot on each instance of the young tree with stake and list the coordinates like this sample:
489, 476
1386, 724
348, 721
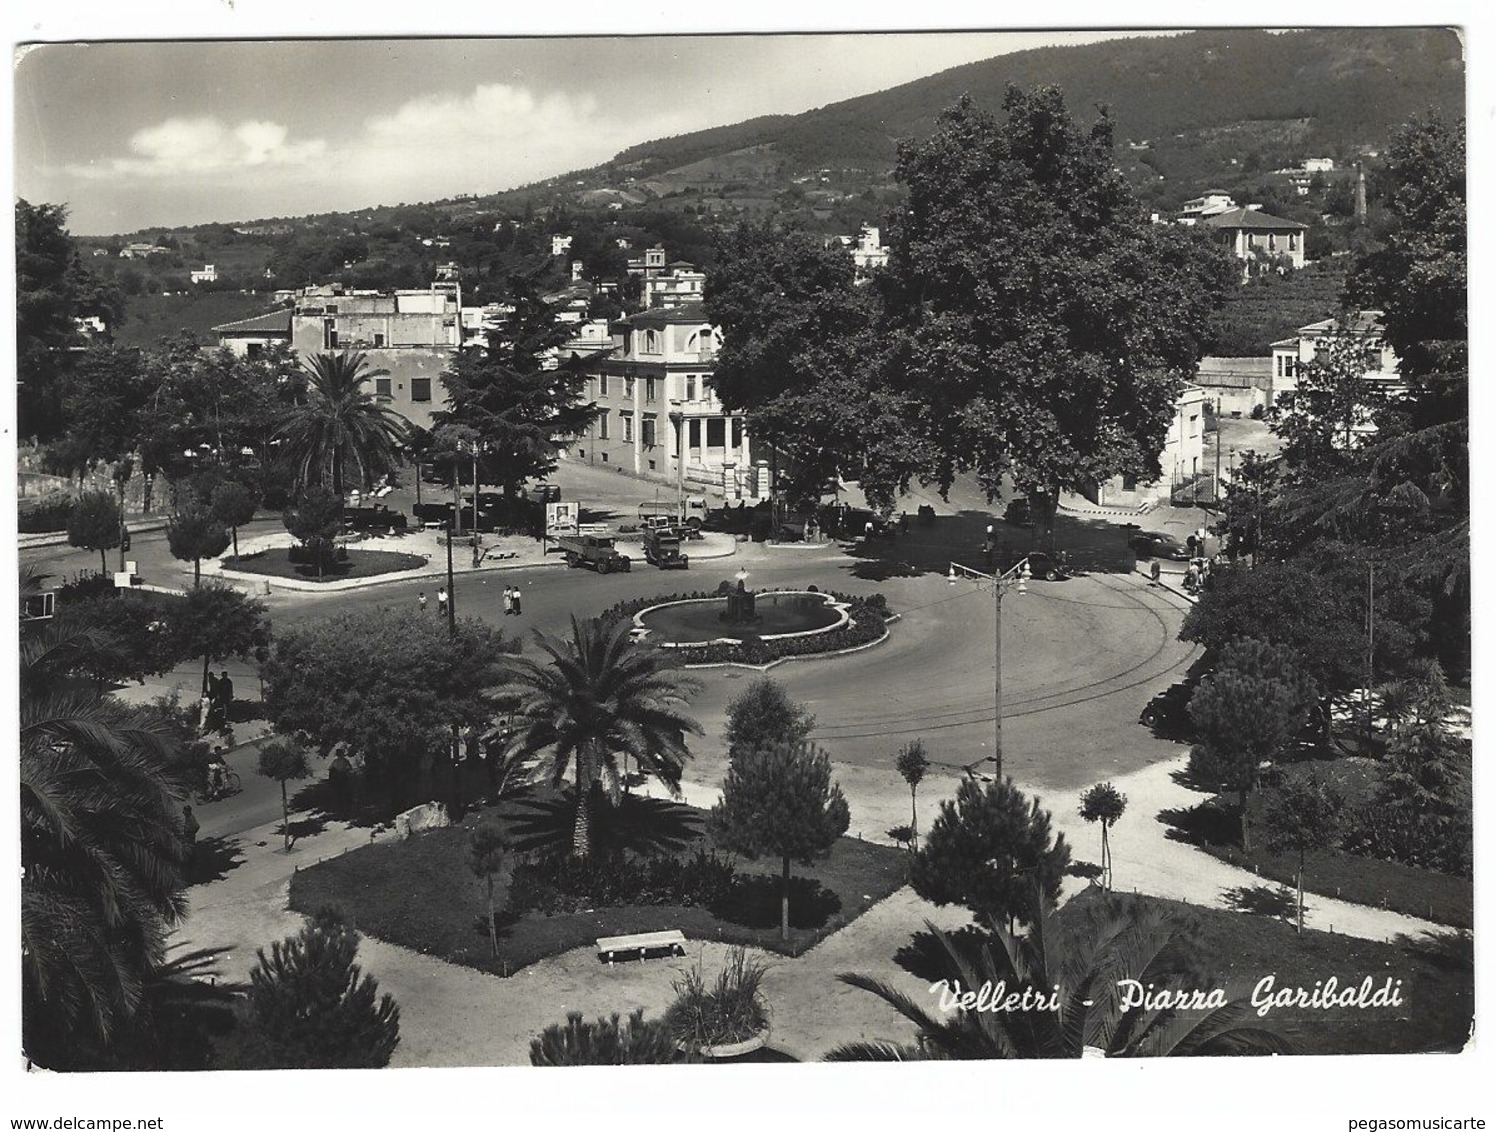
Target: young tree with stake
1104, 803
486, 855
195, 533
283, 761
94, 524
1306, 815
912, 765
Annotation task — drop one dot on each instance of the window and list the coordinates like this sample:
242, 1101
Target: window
649, 390
649, 432
628, 426
602, 385
690, 387
420, 389
254, 350
628, 388
330, 333
716, 433
382, 387
737, 432
1293, 241
1129, 483
694, 436
651, 341
1272, 242
602, 425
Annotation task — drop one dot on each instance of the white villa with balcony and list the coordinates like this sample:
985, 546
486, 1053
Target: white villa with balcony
659, 417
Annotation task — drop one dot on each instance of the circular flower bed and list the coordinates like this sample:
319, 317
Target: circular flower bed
866, 624
699, 621
282, 562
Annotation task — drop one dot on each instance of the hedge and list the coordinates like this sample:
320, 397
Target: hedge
869, 615
48, 517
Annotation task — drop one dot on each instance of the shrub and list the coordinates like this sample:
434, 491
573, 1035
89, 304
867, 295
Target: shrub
86, 586
608, 1041
558, 883
732, 1011
1424, 841
47, 517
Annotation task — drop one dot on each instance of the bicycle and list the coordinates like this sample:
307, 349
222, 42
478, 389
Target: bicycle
231, 785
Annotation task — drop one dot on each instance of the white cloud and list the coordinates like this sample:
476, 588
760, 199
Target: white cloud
188, 146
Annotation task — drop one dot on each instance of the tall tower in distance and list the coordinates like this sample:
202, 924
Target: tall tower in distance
1360, 194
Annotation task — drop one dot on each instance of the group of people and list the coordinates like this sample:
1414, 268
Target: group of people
218, 696
511, 600
441, 601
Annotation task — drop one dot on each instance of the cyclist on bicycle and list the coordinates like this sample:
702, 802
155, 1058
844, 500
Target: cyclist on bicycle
217, 772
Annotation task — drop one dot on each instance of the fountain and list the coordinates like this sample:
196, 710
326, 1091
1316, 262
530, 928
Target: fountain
740, 604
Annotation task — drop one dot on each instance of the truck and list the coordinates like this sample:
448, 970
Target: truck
690, 512
662, 547
596, 551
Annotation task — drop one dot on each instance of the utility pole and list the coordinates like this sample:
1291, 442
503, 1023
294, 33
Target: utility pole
1371, 589
451, 589
1000, 580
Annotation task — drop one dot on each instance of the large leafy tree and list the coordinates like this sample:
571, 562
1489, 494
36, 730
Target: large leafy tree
598, 696
803, 358
100, 851
105, 391
217, 622
1044, 325
338, 427
1083, 965
205, 408
779, 801
312, 1007
1246, 713
992, 850
516, 394
386, 685
46, 304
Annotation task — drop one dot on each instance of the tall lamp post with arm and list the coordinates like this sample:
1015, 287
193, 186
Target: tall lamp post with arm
1017, 575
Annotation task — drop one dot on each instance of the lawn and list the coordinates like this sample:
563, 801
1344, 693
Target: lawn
1437, 990
420, 894
1440, 897
276, 563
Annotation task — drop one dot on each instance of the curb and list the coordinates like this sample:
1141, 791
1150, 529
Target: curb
1162, 584
804, 656
295, 585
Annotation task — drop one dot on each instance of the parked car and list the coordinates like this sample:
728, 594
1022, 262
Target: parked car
1157, 544
1019, 513
545, 493
1050, 567
1167, 713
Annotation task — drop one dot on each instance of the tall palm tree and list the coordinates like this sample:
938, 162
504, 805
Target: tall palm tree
339, 424
100, 849
601, 695
1114, 942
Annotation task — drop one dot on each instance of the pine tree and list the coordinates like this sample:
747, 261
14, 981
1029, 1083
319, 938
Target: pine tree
991, 850
311, 1007
195, 533
779, 801
284, 762
94, 524
763, 714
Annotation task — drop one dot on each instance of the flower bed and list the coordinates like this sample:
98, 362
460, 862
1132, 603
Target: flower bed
280, 562
869, 615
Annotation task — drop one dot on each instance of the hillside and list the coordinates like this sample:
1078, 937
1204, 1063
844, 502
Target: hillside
1269, 308
1196, 100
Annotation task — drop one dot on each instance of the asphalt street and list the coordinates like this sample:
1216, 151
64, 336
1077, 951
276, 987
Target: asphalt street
1080, 657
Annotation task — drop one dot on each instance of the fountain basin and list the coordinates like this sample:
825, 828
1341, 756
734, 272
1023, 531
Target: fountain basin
780, 614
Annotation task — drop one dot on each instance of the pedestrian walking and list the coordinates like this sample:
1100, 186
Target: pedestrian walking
441, 600
516, 600
421, 600
508, 601
226, 692
1155, 572
204, 712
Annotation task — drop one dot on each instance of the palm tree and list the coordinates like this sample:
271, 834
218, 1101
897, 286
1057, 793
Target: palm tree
1080, 973
100, 849
339, 424
601, 695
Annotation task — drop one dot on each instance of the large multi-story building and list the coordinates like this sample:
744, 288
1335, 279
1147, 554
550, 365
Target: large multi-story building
1260, 241
658, 414
1180, 460
1291, 355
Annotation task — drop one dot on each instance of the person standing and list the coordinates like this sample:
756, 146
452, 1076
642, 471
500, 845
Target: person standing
441, 601
226, 693
421, 600
190, 827
508, 600
514, 600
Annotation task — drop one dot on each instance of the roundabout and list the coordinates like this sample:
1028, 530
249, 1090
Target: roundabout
777, 615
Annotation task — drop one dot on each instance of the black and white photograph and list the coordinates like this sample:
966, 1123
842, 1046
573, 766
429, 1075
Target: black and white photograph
704, 546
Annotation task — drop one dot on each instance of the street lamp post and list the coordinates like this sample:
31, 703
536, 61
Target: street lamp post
1017, 575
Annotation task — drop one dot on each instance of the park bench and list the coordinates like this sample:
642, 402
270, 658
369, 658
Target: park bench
642, 946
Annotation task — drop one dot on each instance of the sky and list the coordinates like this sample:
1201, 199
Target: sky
134, 134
